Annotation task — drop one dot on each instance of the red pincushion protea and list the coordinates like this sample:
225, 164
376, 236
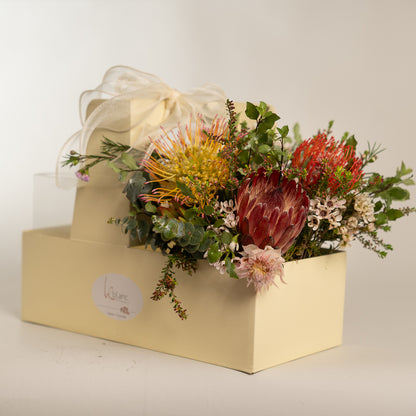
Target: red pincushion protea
321, 157
272, 210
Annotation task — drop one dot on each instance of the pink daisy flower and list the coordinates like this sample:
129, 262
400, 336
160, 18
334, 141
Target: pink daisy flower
260, 266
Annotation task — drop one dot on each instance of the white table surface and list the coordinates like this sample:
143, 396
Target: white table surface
46, 371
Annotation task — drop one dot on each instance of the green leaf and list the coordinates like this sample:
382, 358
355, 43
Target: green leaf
170, 230
189, 230
205, 243
135, 186
112, 165
378, 206
197, 235
153, 243
185, 190
262, 107
398, 194
251, 111
214, 253
218, 223
226, 238
403, 170
243, 156
269, 113
192, 248
143, 228
149, 207
190, 213
297, 137
351, 141
122, 176
267, 123
230, 267
208, 210
128, 160
264, 149
131, 224
284, 131
381, 218
393, 214
200, 221
180, 232
408, 182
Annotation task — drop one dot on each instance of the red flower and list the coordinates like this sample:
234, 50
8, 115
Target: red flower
322, 158
272, 210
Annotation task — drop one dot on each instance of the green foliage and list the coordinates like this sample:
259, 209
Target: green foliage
262, 146
388, 190
251, 111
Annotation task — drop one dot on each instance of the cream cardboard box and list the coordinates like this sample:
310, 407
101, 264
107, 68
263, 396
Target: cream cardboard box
104, 290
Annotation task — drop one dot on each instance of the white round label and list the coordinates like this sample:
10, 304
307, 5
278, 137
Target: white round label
117, 296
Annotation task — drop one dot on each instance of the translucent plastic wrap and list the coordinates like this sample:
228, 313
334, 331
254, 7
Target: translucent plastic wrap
53, 206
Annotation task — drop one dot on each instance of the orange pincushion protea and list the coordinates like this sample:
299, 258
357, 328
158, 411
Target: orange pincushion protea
323, 158
272, 210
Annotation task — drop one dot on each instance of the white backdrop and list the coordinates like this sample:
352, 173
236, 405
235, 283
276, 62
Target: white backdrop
354, 62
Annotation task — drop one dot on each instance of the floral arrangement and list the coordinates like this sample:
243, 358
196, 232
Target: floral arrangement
247, 197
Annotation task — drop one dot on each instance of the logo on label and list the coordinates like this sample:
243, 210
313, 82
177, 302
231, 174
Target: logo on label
117, 296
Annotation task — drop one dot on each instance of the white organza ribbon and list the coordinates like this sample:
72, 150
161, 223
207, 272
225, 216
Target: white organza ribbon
121, 86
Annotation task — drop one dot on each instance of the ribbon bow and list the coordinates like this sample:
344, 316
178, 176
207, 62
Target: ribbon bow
120, 89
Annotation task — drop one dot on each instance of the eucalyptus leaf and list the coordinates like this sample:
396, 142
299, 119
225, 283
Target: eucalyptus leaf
205, 243
189, 230
170, 230
197, 235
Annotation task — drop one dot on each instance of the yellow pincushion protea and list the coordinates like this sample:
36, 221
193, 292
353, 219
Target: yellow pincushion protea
193, 159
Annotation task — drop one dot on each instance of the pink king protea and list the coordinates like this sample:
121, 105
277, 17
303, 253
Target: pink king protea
272, 210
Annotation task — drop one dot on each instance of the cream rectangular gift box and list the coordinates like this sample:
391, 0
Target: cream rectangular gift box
229, 324
86, 279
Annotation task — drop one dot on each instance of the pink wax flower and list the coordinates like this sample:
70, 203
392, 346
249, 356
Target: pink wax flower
260, 266
83, 176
